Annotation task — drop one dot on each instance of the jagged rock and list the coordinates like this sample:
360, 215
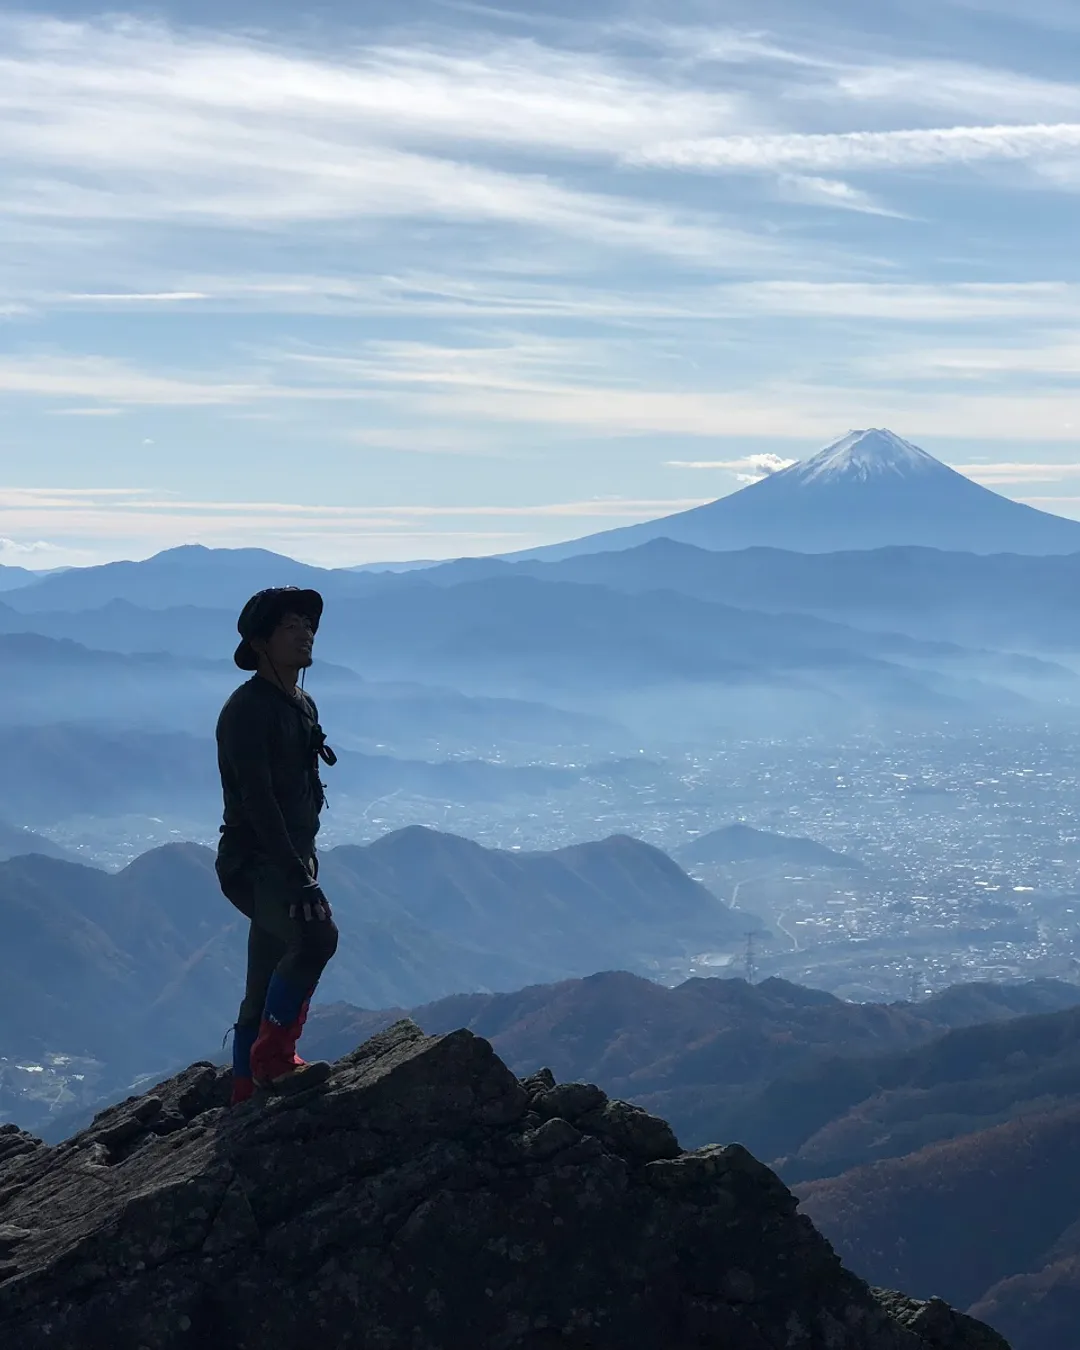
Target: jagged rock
568, 1100
632, 1132
420, 1200
939, 1325
543, 1080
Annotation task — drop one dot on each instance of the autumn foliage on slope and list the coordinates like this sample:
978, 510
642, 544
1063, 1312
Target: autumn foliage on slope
958, 1218
1037, 1312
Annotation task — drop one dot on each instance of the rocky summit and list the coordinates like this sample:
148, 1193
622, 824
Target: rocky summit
424, 1198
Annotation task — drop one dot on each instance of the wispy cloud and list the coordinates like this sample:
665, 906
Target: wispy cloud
814, 190
861, 150
26, 554
133, 297
83, 520
450, 241
959, 88
1019, 472
491, 296
927, 302
103, 411
129, 122
82, 377
567, 384
749, 469
1041, 359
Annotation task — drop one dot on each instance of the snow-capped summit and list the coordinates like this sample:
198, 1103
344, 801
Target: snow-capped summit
870, 489
862, 454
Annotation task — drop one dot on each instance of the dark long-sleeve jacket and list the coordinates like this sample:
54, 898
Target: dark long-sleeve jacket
268, 755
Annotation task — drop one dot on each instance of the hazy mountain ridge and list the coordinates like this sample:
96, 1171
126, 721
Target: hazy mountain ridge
67, 771
997, 600
506, 646
59, 679
190, 574
17, 841
147, 964
741, 843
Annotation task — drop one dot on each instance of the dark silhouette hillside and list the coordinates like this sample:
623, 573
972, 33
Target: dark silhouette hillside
707, 1053
975, 1220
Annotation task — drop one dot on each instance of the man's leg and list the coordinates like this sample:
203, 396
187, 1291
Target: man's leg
265, 950
306, 945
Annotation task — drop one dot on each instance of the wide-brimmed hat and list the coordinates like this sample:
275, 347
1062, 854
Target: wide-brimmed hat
264, 611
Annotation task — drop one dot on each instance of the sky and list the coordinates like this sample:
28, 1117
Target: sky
458, 279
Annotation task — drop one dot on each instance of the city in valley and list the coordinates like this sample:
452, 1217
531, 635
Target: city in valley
960, 849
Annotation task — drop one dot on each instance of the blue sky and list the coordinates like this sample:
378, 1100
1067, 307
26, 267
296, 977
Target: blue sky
464, 279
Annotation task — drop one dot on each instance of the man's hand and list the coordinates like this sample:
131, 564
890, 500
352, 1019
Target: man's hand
311, 906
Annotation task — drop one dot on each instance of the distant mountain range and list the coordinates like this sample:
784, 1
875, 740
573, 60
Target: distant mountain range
14, 578
597, 652
741, 843
188, 575
665, 641
67, 770
16, 842
868, 490
1004, 600
708, 1052
53, 679
144, 967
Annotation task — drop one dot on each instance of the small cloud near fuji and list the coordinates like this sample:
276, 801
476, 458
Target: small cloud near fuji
749, 469
18, 552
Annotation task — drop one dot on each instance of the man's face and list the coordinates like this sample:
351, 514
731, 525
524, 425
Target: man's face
289, 645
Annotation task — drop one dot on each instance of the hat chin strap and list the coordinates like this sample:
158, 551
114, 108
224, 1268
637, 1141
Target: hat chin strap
277, 676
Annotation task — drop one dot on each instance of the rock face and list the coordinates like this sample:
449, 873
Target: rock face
423, 1199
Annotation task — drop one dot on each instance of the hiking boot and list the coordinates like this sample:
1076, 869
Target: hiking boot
273, 1061
242, 1084
243, 1089
272, 1053
297, 1030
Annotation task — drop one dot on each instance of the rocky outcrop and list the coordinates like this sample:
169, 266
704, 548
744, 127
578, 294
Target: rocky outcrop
423, 1199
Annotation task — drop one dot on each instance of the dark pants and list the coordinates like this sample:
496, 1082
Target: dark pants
296, 949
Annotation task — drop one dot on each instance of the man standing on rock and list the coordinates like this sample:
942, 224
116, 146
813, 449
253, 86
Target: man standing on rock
269, 747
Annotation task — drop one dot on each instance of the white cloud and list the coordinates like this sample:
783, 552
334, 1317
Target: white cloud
1052, 359
1018, 472
112, 381
852, 151
812, 190
959, 88
477, 88
21, 551
89, 520
134, 297
56, 377
749, 469
85, 412
946, 302
135, 123
485, 296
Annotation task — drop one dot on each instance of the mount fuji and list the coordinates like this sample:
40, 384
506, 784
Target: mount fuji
871, 489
